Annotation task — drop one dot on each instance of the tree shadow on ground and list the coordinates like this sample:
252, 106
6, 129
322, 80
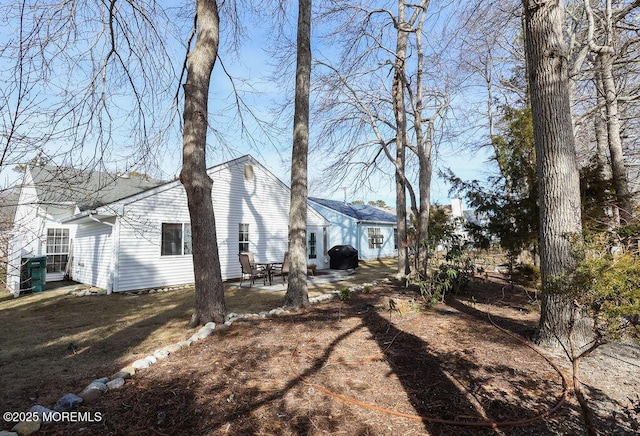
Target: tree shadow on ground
522, 328
430, 381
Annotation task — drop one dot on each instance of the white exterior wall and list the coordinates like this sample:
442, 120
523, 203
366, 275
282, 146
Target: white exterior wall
92, 255
29, 233
262, 202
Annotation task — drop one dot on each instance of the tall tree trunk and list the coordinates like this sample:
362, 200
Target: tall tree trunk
209, 289
424, 184
618, 169
424, 147
602, 144
605, 57
401, 138
600, 128
297, 294
558, 177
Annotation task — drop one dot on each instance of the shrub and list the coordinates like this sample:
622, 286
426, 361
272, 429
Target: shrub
607, 279
345, 294
527, 274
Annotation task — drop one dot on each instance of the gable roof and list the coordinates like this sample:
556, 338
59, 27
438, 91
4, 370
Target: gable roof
109, 209
86, 189
360, 212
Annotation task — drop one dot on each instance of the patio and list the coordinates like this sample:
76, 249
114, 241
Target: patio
320, 277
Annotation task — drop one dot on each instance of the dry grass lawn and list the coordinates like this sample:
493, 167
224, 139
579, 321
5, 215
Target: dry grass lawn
110, 332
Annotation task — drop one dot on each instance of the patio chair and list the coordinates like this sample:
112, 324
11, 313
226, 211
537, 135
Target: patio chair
282, 269
249, 269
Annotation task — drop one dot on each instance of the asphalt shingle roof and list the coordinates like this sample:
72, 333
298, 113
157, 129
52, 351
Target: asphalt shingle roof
360, 212
86, 189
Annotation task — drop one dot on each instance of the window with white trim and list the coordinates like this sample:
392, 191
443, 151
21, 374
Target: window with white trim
375, 237
57, 250
243, 237
176, 239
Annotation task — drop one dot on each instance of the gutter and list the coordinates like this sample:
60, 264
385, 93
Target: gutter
93, 218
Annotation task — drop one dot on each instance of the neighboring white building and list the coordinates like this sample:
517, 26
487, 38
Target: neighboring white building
462, 217
142, 238
369, 230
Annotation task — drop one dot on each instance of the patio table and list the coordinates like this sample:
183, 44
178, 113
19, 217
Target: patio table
268, 266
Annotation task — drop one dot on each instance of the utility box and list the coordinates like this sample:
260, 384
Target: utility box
33, 274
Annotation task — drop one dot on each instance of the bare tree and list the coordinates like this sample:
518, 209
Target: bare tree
558, 178
603, 41
112, 52
210, 304
296, 295
376, 104
398, 90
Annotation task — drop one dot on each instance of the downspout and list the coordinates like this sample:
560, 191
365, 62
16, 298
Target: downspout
358, 238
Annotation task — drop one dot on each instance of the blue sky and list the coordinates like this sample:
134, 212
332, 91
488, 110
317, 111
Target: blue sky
254, 70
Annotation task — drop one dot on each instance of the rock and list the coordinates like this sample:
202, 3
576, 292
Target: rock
115, 383
121, 374
226, 324
40, 411
172, 348
24, 428
8, 433
211, 325
185, 344
90, 395
125, 373
204, 332
161, 354
194, 338
141, 364
100, 384
67, 403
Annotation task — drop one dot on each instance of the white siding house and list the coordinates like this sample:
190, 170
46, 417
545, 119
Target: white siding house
369, 230
144, 240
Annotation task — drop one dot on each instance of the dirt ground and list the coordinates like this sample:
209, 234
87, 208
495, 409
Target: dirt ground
378, 363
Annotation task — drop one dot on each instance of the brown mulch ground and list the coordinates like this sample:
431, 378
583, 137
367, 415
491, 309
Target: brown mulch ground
379, 363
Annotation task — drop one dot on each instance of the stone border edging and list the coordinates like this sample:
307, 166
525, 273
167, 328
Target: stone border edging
94, 390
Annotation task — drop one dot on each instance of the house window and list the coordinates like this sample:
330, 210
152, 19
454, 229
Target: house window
375, 237
57, 248
243, 237
176, 239
312, 245
395, 239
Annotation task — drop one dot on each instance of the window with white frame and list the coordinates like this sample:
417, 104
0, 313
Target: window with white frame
57, 250
176, 239
375, 237
243, 237
312, 246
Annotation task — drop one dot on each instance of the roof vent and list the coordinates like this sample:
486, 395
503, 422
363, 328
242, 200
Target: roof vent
248, 172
